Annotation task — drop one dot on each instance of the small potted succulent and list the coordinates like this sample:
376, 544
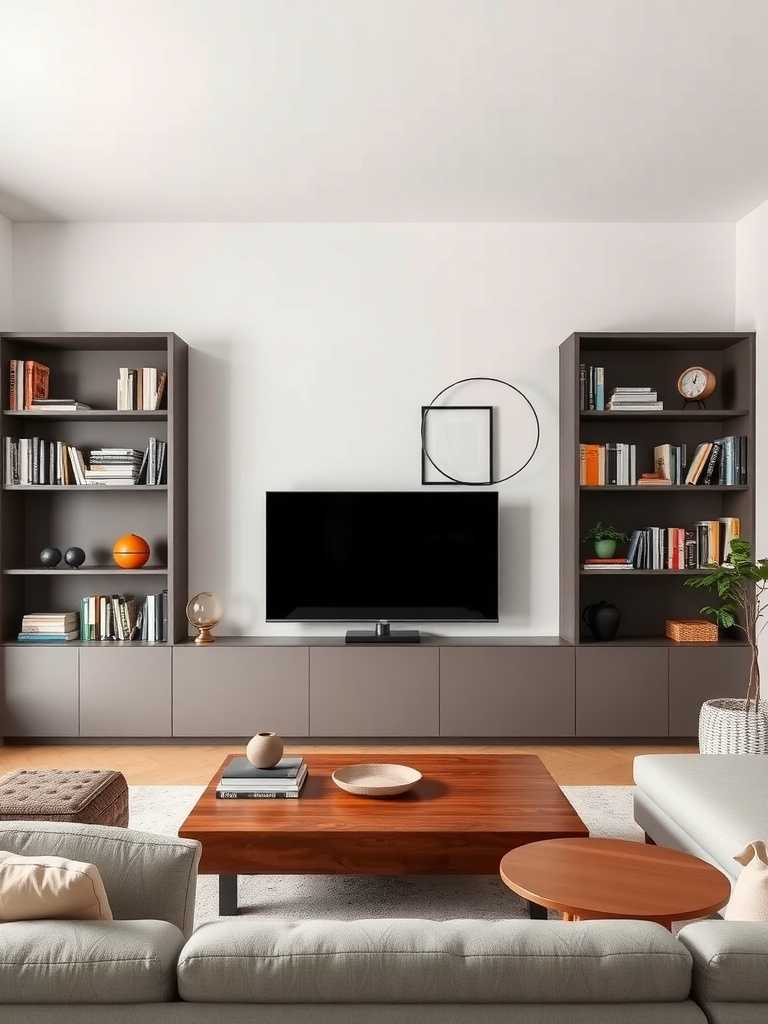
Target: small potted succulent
604, 538
728, 726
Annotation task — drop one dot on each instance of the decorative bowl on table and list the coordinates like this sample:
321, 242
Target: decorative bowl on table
376, 779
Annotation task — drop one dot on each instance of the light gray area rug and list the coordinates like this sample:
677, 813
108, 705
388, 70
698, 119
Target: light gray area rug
606, 810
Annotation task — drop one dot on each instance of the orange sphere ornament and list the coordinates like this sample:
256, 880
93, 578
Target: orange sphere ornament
130, 551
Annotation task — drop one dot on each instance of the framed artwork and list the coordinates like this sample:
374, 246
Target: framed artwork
457, 444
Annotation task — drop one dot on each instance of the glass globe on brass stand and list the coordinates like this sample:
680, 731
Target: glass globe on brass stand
204, 611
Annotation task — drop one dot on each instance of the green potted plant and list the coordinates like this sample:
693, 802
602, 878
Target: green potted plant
728, 726
604, 538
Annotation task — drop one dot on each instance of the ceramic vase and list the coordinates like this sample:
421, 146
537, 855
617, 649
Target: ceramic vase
602, 620
605, 548
264, 750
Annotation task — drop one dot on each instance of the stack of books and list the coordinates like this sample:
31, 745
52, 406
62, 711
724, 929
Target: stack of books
28, 380
591, 387
607, 564
634, 400
140, 389
242, 781
608, 464
48, 627
114, 466
153, 465
722, 462
58, 405
118, 617
33, 460
704, 544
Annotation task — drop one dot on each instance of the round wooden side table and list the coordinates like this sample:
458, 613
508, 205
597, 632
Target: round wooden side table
588, 879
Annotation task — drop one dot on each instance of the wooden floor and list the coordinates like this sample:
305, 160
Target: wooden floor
588, 764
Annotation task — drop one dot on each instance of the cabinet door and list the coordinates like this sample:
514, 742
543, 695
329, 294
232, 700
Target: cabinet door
697, 674
506, 691
622, 691
373, 691
125, 691
237, 691
39, 691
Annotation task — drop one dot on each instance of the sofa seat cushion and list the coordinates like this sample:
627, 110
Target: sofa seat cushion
717, 799
730, 961
88, 961
407, 961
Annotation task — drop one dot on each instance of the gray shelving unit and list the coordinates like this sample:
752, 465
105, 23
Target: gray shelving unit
85, 366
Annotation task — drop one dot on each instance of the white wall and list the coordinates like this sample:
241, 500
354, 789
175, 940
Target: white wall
6, 273
314, 346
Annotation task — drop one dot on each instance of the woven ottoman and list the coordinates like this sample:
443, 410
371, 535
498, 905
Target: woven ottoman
88, 797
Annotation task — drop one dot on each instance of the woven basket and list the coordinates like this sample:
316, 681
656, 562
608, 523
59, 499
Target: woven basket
687, 631
727, 727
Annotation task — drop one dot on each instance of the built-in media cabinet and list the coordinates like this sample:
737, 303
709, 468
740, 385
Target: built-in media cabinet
640, 685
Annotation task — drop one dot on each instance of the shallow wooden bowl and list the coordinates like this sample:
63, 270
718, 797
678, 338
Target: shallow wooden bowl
376, 779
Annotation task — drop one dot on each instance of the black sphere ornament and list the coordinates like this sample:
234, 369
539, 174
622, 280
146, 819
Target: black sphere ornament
74, 557
49, 557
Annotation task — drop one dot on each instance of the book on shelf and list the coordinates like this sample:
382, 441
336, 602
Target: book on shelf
625, 399
699, 546
120, 617
591, 387
48, 627
608, 464
721, 462
609, 564
58, 405
28, 380
140, 389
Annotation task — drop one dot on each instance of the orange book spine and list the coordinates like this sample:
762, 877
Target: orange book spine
592, 458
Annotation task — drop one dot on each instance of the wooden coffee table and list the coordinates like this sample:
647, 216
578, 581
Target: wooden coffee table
586, 879
466, 812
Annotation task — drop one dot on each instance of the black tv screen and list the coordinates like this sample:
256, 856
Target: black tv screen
403, 556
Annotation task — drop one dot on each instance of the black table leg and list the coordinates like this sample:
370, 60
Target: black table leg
227, 895
536, 913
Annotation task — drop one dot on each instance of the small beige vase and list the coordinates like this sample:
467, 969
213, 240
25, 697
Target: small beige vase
264, 750
749, 899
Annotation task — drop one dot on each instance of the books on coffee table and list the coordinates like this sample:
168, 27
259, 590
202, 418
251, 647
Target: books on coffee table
243, 781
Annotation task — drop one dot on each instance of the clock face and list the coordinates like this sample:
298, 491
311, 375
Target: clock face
696, 382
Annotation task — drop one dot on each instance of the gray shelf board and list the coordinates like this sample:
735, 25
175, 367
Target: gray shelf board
657, 641
655, 341
665, 488
87, 643
645, 572
427, 640
113, 415
665, 415
89, 570
108, 341
88, 488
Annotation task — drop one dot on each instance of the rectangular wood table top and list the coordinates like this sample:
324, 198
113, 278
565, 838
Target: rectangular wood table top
466, 812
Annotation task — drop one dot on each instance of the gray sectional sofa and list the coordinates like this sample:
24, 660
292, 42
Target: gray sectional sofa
149, 966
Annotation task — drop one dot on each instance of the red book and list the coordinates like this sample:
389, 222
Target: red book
605, 561
35, 383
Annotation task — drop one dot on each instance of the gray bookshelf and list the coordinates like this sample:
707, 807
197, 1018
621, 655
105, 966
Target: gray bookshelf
85, 367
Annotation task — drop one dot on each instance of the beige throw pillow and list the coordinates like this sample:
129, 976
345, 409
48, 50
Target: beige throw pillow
50, 887
749, 898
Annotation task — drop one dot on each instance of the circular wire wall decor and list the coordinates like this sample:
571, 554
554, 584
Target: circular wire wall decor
488, 380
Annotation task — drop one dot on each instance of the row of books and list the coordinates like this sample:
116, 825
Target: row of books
704, 544
241, 780
28, 380
142, 388
48, 627
33, 460
118, 617
634, 400
591, 387
722, 462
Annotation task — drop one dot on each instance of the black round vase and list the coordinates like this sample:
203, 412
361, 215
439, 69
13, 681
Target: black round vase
74, 557
603, 620
50, 557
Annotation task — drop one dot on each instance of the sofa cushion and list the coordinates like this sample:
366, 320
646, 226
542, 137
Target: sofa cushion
88, 961
730, 961
405, 961
717, 799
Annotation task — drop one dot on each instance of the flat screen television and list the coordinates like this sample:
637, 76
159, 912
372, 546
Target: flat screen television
402, 556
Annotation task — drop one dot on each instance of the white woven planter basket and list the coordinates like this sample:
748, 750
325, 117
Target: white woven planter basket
726, 727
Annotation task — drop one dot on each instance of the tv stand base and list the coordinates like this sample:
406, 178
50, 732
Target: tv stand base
382, 634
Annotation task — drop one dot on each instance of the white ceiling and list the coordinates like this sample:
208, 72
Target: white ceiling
319, 110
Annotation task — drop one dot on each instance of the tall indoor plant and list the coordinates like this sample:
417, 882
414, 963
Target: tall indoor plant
728, 726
